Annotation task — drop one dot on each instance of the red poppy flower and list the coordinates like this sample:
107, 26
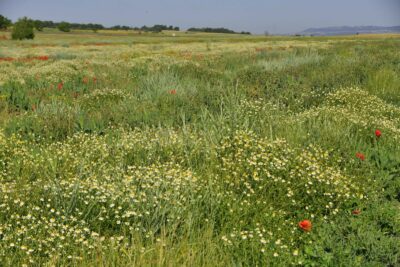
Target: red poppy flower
356, 212
60, 86
172, 92
7, 59
378, 133
44, 58
305, 225
360, 156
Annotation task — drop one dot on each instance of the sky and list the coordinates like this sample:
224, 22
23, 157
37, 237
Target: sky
257, 16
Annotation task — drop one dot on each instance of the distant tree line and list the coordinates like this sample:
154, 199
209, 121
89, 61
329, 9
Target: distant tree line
25, 26
215, 30
40, 24
66, 26
120, 27
155, 28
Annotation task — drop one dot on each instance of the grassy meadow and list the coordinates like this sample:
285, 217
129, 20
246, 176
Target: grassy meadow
188, 149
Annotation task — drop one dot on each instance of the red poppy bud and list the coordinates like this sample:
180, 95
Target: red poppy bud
60, 86
360, 156
378, 133
356, 212
305, 225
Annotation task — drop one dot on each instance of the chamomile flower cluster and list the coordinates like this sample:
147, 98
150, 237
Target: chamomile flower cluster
358, 108
52, 71
304, 178
87, 193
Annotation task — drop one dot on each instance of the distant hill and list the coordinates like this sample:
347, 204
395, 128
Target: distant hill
346, 30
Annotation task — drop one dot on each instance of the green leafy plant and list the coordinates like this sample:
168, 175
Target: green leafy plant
23, 29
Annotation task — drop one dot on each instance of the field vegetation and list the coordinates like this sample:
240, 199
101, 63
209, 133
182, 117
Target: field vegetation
121, 148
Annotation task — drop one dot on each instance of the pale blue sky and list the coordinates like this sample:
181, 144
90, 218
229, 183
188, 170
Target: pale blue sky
276, 16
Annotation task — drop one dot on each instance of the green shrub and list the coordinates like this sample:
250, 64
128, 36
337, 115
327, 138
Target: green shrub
38, 25
23, 29
64, 27
4, 22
